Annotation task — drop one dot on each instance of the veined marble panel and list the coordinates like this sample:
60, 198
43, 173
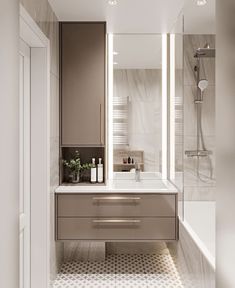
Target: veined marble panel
207, 108
54, 163
206, 165
84, 251
193, 193
144, 85
151, 147
208, 111
136, 248
54, 106
191, 44
190, 111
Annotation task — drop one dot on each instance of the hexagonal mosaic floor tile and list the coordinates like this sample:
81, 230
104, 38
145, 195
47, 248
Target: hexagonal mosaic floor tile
121, 271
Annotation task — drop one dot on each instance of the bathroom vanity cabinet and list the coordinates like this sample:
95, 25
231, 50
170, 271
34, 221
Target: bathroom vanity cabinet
82, 83
116, 217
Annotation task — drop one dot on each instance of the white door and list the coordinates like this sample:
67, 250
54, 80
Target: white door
24, 133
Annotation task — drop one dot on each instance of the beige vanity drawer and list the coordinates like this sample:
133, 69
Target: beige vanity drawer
116, 229
121, 205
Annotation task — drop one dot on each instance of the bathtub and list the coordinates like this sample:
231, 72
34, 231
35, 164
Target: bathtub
199, 221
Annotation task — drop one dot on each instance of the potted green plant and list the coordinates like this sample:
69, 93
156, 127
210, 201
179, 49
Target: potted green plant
76, 167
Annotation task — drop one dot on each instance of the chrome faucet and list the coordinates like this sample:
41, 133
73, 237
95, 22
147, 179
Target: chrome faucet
137, 172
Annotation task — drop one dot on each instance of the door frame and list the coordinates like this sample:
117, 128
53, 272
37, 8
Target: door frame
39, 45
24, 168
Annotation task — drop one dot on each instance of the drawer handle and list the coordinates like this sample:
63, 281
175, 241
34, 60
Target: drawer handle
116, 221
116, 198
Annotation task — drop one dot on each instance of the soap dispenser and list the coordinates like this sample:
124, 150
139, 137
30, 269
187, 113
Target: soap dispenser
100, 171
93, 171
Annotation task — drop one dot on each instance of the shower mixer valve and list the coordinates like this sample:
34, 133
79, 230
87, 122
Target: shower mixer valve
198, 153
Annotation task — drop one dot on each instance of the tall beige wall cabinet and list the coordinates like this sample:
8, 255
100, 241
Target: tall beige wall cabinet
82, 68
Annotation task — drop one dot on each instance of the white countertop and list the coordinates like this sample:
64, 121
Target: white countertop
122, 186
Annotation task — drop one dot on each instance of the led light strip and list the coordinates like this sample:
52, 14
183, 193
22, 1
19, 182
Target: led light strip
172, 106
164, 106
110, 106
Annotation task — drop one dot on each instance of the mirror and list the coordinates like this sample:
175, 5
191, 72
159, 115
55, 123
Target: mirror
137, 102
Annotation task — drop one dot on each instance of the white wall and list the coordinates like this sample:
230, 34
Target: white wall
9, 144
225, 81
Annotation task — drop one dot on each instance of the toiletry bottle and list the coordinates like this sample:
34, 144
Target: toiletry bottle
93, 171
129, 160
100, 171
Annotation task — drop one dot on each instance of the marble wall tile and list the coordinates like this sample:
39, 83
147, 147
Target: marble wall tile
144, 85
54, 163
190, 111
120, 84
84, 251
54, 46
207, 167
151, 145
144, 117
54, 106
191, 43
136, 248
192, 193
208, 111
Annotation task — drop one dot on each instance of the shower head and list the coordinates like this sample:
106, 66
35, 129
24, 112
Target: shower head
205, 52
203, 84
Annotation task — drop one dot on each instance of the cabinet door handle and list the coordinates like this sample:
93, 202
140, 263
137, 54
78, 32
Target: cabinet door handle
116, 198
101, 142
116, 221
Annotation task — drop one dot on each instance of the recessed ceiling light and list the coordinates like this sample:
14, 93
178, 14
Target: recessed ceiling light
115, 63
115, 53
112, 2
201, 2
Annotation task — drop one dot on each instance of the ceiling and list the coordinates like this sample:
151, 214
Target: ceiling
140, 17
128, 16
199, 19
137, 51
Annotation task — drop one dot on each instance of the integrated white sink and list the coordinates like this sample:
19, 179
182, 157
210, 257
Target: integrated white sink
149, 182
143, 185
